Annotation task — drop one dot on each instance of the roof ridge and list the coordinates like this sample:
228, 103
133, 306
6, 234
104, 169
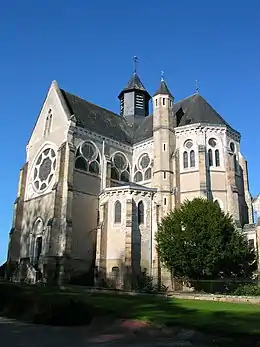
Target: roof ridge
91, 103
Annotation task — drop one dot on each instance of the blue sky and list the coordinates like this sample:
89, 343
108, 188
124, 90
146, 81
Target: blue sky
87, 46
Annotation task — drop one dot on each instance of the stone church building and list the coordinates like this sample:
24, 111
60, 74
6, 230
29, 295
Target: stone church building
95, 183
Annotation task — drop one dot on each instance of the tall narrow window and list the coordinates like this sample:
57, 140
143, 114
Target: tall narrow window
164, 147
50, 123
164, 175
46, 126
210, 157
140, 213
192, 158
156, 102
163, 101
38, 247
185, 160
235, 162
217, 161
118, 212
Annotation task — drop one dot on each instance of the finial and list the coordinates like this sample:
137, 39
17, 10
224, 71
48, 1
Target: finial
135, 59
162, 74
197, 87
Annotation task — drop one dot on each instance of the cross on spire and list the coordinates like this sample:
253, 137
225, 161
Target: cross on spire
135, 60
162, 75
197, 87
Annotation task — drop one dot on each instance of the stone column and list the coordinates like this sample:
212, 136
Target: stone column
99, 236
177, 186
13, 255
204, 174
61, 231
248, 198
232, 190
128, 244
108, 172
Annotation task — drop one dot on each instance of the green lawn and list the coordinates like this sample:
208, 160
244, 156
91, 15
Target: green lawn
210, 316
236, 320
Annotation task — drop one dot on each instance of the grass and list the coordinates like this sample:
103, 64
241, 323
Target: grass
203, 315
239, 321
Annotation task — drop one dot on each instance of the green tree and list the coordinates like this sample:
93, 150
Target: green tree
198, 241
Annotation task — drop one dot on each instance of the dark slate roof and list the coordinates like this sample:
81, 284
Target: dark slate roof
98, 119
163, 89
197, 110
191, 110
134, 84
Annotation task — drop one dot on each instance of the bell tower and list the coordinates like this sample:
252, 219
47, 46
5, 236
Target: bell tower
134, 99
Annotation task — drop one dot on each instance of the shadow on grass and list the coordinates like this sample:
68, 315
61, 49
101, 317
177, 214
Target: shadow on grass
225, 323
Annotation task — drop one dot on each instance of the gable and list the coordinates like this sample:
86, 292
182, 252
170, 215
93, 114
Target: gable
54, 106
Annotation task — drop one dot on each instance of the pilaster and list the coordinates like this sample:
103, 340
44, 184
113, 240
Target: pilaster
108, 172
232, 190
15, 233
61, 230
128, 244
204, 174
248, 198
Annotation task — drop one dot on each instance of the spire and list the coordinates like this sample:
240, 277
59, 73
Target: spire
163, 89
134, 98
134, 84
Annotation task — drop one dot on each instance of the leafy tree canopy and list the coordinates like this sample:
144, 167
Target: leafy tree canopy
199, 241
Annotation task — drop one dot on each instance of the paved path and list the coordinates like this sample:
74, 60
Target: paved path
18, 334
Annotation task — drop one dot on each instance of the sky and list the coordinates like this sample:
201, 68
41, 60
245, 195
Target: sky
87, 46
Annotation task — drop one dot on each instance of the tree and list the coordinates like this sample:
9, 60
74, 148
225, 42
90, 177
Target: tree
198, 241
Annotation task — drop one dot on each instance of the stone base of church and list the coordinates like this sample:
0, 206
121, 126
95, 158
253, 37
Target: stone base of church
53, 271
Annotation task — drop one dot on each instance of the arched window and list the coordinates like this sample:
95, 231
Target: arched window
140, 213
210, 157
50, 122
143, 168
185, 160
118, 212
37, 241
217, 160
87, 158
46, 126
138, 177
148, 174
120, 170
192, 158
38, 247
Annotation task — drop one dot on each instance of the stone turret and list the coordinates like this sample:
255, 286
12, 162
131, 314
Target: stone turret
163, 125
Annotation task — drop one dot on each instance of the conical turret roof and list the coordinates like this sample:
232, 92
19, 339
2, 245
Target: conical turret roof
163, 89
134, 84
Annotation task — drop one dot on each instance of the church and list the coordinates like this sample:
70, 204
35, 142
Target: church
95, 184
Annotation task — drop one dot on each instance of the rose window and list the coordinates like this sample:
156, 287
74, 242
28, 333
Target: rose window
87, 158
44, 169
120, 170
143, 170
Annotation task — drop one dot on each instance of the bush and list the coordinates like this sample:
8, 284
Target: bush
65, 312
247, 290
43, 306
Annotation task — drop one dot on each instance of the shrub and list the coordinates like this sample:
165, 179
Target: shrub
247, 290
65, 312
43, 306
